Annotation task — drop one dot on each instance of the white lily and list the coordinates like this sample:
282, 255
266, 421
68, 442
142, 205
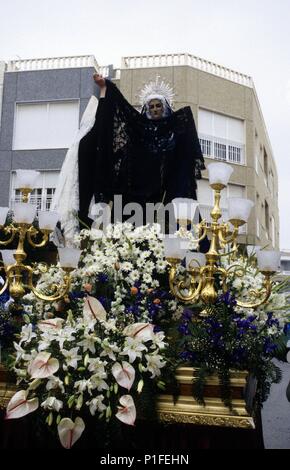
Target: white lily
96, 404
133, 348
72, 357
154, 364
26, 334
69, 432
52, 404
19, 406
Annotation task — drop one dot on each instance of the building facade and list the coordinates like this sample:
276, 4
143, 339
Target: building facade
42, 107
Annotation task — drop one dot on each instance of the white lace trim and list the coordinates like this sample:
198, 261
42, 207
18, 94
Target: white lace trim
66, 197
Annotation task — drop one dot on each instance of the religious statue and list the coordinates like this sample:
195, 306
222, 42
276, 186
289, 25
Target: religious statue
146, 157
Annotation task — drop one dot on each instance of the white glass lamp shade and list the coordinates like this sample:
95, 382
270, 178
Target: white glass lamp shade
7, 257
3, 215
69, 257
239, 209
47, 219
26, 179
173, 247
269, 260
184, 208
219, 173
24, 213
252, 250
194, 260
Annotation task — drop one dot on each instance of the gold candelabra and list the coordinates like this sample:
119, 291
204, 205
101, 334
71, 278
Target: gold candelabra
20, 276
198, 282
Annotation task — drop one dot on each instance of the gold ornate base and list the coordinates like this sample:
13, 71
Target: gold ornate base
7, 387
188, 411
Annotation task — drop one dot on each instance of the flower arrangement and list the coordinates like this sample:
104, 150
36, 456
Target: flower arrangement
234, 337
99, 353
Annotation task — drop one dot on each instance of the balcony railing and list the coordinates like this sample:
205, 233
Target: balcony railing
169, 60
48, 63
222, 149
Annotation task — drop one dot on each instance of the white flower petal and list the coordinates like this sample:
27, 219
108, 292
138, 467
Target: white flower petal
43, 366
124, 374
142, 331
19, 406
94, 309
69, 432
127, 413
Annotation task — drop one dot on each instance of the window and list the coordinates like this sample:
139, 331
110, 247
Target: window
43, 193
273, 232
265, 167
206, 147
45, 125
221, 137
257, 152
258, 229
267, 220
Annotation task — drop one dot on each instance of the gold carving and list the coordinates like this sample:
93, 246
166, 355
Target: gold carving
207, 420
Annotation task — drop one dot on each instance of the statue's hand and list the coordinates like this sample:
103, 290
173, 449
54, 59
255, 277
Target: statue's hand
99, 79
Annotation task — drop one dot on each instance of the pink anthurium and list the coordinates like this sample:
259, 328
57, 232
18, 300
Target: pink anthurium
43, 366
19, 405
69, 432
50, 323
94, 309
143, 331
127, 412
124, 374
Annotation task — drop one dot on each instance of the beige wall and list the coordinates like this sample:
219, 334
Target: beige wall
203, 90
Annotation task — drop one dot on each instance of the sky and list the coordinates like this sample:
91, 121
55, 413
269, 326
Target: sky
250, 36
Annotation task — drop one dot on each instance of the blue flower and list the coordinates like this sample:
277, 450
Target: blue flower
227, 299
187, 356
103, 278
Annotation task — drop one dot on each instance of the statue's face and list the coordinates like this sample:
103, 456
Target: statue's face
155, 109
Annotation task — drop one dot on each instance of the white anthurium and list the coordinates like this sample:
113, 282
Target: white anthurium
51, 323
124, 374
94, 309
19, 406
69, 432
43, 366
143, 331
127, 410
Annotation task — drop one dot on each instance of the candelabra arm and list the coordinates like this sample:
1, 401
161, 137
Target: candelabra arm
256, 294
9, 229
203, 229
177, 286
259, 297
59, 291
32, 232
226, 236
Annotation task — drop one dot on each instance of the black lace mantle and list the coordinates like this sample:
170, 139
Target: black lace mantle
144, 160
